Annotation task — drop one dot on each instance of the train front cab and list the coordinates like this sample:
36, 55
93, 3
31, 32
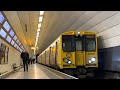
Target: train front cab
86, 53
67, 50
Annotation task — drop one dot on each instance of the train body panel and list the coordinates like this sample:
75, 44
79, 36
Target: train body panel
86, 49
58, 54
91, 59
79, 56
67, 55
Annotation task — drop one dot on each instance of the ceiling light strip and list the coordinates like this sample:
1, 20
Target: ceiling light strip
39, 27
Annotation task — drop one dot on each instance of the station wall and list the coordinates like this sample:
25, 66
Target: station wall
13, 57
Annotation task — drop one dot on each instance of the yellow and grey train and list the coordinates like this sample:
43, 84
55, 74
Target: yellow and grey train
72, 52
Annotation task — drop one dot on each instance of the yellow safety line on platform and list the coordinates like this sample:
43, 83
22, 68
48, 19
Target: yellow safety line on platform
53, 73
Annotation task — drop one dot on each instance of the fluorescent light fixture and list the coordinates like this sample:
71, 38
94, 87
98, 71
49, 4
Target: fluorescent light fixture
38, 29
39, 25
33, 48
40, 18
37, 36
34, 52
41, 12
36, 40
37, 33
36, 47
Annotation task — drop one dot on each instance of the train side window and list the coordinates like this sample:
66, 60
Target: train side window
1, 17
12, 33
8, 39
3, 33
6, 26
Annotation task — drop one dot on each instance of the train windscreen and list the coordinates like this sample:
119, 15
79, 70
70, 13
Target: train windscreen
90, 42
68, 43
78, 43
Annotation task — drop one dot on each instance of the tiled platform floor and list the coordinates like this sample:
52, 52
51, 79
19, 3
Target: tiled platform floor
37, 71
34, 72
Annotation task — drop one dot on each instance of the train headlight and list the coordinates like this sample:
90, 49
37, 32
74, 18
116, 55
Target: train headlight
93, 59
69, 62
66, 60
90, 61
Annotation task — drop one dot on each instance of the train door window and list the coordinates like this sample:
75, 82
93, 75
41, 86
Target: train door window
78, 41
12, 42
6, 26
3, 33
12, 33
8, 39
1, 17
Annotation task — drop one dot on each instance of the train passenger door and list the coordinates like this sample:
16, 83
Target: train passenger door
79, 56
50, 56
56, 53
45, 57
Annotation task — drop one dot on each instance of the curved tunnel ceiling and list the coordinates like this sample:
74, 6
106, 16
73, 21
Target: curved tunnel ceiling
105, 23
102, 22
